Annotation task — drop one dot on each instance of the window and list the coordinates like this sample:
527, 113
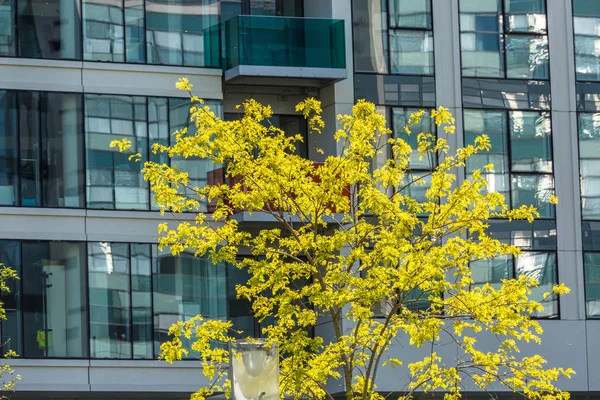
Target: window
54, 293
370, 35
504, 39
7, 28
586, 24
113, 181
521, 155
103, 30
41, 163
120, 297
11, 328
589, 165
49, 29
183, 287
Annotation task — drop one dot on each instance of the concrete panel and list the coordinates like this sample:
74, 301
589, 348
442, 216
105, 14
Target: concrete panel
52, 375
49, 75
42, 224
593, 347
145, 376
146, 80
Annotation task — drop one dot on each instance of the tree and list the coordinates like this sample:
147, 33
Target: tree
7, 374
349, 232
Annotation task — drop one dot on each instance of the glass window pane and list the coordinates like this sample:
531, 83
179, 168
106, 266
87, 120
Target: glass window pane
410, 14
158, 131
134, 31
9, 152
527, 57
411, 52
113, 181
480, 25
530, 144
400, 119
109, 296
492, 271
7, 28
415, 184
493, 124
591, 263
10, 256
526, 15
103, 30
62, 149
369, 21
293, 125
177, 38
141, 300
589, 164
54, 291
185, 286
533, 190
586, 24
49, 29
542, 267
30, 151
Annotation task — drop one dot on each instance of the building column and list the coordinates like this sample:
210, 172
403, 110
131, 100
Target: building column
566, 157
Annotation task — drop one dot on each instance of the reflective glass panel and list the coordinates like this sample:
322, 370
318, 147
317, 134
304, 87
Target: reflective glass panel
493, 124
158, 131
492, 271
30, 149
481, 41
530, 143
369, 21
415, 184
9, 152
54, 290
110, 301
134, 31
586, 24
103, 30
411, 52
49, 29
410, 14
400, 118
533, 190
113, 181
542, 267
141, 300
183, 32
527, 57
12, 326
591, 262
589, 165
7, 28
526, 15
185, 286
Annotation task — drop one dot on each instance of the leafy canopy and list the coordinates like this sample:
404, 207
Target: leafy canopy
350, 232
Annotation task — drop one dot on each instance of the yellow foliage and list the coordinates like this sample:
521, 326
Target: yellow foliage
355, 240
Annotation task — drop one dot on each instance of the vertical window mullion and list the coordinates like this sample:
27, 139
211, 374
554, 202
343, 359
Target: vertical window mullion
130, 257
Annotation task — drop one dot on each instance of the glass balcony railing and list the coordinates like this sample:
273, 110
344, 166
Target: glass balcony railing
284, 42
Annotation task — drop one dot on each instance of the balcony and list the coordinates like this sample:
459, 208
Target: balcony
284, 51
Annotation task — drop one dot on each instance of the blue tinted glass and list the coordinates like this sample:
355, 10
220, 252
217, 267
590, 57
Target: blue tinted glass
486, 23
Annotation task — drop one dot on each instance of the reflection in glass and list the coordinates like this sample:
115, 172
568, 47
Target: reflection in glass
9, 152
533, 190
415, 185
541, 267
530, 144
134, 31
185, 286
54, 291
526, 15
586, 23
589, 165
493, 124
113, 181
370, 35
103, 30
7, 28
49, 29
158, 132
183, 32
410, 14
527, 57
141, 300
481, 45
591, 262
30, 149
12, 326
411, 52
400, 118
109, 296
492, 271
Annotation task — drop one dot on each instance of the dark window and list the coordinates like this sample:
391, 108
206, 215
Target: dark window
9, 158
